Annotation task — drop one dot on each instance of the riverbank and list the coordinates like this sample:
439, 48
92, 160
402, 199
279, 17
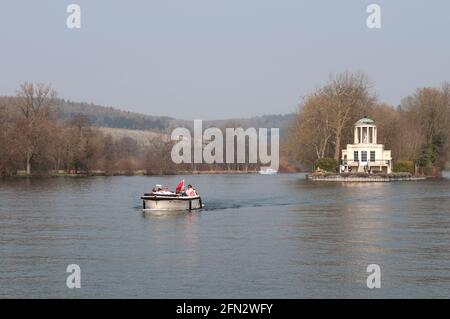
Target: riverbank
143, 172
22, 174
394, 177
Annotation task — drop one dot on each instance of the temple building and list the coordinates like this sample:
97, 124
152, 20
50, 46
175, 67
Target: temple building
365, 155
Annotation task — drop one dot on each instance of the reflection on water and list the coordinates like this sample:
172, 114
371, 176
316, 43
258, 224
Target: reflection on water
259, 236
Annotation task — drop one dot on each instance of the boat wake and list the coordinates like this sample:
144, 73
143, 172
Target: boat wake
221, 205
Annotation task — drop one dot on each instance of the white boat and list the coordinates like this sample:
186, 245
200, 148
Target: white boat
170, 201
267, 171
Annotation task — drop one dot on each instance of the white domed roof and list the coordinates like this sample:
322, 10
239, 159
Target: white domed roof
365, 121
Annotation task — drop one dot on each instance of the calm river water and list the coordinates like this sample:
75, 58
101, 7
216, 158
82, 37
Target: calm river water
258, 237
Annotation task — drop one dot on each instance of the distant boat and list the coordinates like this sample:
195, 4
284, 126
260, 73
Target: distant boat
170, 201
267, 171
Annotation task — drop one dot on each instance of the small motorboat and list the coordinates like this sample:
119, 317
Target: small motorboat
170, 201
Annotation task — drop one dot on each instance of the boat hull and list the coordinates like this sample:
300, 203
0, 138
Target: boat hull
171, 203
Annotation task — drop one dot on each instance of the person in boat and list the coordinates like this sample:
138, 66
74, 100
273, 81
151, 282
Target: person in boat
159, 189
166, 191
190, 191
180, 188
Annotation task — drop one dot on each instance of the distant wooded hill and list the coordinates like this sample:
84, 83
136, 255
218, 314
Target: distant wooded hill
114, 118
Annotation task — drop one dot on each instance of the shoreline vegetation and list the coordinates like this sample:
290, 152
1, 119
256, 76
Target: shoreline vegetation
41, 135
364, 177
134, 173
38, 141
309, 174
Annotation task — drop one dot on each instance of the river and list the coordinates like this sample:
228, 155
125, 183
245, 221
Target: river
259, 236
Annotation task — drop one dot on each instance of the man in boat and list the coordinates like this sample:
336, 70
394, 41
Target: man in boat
190, 191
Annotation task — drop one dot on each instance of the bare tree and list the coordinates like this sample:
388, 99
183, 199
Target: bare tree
158, 159
325, 119
348, 96
8, 153
314, 125
429, 111
34, 102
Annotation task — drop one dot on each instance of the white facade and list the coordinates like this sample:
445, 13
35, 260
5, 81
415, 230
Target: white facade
365, 154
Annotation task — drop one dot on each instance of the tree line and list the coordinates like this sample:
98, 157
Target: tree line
417, 131
36, 140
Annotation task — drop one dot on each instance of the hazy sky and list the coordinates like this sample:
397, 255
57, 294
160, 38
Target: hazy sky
220, 58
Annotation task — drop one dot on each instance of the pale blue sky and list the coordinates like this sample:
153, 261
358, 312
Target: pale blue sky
220, 58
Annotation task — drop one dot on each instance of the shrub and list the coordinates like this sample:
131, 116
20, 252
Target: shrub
404, 167
327, 164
